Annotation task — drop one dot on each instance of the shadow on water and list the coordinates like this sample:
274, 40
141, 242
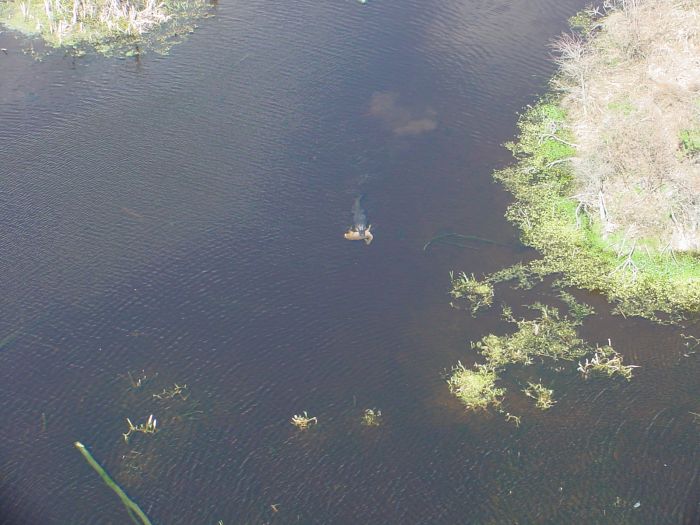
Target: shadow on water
181, 220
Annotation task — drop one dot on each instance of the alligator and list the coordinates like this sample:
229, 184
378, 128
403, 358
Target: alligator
360, 230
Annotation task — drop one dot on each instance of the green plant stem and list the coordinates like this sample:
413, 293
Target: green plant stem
131, 507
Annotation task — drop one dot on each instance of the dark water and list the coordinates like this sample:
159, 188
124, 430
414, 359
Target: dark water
180, 218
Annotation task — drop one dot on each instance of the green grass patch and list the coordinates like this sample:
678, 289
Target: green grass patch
548, 336
542, 395
641, 281
476, 387
479, 294
690, 141
623, 106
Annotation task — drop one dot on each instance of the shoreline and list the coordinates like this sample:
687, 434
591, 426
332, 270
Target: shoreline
572, 246
107, 27
604, 178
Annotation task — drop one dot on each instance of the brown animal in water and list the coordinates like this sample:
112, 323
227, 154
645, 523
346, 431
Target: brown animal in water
355, 235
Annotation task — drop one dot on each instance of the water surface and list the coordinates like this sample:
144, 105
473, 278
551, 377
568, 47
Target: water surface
180, 218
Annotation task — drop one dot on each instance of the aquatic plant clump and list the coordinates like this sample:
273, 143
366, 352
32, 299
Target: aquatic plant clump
149, 427
479, 294
606, 361
108, 26
577, 309
372, 417
172, 392
542, 395
303, 421
548, 337
476, 387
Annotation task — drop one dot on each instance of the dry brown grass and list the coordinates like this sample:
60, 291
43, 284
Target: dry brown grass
630, 90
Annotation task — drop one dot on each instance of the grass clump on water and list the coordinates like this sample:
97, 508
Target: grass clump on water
303, 421
372, 417
107, 26
606, 361
476, 387
549, 337
541, 394
479, 294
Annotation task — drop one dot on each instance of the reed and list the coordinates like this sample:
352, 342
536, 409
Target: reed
172, 392
149, 427
131, 507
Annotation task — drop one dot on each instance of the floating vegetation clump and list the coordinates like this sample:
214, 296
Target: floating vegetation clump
541, 394
372, 417
113, 27
606, 361
479, 294
476, 387
303, 421
139, 380
577, 310
549, 337
519, 272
